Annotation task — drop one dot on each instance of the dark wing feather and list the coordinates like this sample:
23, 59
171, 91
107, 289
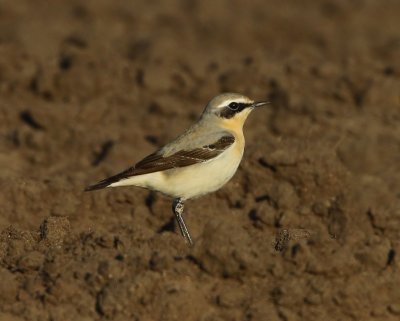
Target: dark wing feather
156, 162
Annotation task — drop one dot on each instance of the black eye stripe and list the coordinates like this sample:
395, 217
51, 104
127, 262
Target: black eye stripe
238, 106
233, 108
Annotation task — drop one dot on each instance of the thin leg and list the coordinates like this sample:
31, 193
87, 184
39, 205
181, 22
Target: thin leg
177, 207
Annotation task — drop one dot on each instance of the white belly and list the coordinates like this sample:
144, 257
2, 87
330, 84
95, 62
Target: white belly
191, 181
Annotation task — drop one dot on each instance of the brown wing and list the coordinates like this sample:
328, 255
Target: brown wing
156, 162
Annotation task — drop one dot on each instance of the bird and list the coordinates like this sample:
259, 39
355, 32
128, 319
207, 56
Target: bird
198, 162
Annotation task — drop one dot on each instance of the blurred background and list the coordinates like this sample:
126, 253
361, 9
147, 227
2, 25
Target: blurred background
88, 88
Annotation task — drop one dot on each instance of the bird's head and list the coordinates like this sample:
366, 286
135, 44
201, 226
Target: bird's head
232, 109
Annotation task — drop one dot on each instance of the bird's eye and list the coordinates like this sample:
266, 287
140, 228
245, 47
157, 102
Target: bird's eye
233, 106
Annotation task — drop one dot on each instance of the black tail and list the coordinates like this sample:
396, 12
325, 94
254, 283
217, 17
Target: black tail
115, 178
108, 181
99, 185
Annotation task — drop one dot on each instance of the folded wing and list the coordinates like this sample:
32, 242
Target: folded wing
156, 162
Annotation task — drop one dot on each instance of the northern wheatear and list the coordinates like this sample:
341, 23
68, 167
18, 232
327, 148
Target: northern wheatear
199, 161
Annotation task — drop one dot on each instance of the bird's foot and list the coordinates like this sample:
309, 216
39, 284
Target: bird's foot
177, 208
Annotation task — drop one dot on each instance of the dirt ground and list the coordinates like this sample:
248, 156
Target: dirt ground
308, 228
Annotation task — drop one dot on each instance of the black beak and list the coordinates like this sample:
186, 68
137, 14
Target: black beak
260, 103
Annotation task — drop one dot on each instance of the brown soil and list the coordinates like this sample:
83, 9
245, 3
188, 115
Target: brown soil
308, 229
